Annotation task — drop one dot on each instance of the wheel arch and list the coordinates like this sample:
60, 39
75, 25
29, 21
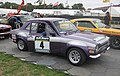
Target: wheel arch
75, 47
19, 38
25, 44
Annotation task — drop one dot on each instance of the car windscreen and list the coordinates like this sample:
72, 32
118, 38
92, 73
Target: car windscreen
65, 25
99, 23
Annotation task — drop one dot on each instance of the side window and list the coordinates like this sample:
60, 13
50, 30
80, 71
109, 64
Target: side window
33, 27
85, 24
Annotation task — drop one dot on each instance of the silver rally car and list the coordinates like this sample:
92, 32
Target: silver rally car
59, 36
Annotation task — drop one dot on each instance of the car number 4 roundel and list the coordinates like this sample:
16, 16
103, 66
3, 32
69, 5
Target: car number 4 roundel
42, 44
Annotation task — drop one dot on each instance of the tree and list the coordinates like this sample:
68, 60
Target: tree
61, 6
7, 4
29, 7
1, 3
50, 6
78, 6
14, 6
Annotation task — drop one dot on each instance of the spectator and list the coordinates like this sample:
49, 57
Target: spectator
40, 15
107, 19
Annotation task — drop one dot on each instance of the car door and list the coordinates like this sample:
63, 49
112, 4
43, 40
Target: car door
42, 43
31, 29
85, 26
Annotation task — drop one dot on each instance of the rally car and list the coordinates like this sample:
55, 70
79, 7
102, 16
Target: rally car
59, 36
96, 26
4, 30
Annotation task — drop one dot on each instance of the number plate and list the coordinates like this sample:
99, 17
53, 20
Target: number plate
42, 44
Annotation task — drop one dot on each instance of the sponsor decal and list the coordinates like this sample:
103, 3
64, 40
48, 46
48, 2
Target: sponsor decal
42, 44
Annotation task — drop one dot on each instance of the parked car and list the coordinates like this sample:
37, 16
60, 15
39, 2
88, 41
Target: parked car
17, 21
4, 29
59, 36
96, 26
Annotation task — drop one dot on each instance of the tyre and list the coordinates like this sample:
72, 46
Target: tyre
76, 56
12, 22
22, 46
115, 42
17, 25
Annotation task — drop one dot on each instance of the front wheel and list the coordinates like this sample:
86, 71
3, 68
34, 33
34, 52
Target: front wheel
76, 56
21, 45
115, 42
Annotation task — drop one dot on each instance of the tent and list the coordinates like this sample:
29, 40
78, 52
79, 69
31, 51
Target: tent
115, 11
6, 11
94, 13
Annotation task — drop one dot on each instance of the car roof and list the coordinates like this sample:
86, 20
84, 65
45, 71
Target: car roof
85, 19
49, 19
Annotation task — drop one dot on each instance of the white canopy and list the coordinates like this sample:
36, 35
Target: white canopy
115, 11
6, 11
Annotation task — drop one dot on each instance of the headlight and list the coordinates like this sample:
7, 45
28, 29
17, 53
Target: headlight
13, 36
91, 50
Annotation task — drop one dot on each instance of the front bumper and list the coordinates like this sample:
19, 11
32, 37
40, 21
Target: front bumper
99, 54
4, 35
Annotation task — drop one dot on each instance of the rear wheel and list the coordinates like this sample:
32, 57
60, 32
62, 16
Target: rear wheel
22, 46
76, 56
115, 42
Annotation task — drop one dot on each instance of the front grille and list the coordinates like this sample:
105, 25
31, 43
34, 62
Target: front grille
4, 30
102, 47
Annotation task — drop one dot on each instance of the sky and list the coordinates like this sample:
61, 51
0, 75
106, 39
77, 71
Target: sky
86, 3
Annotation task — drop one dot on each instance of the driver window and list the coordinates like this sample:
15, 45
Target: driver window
85, 24
45, 30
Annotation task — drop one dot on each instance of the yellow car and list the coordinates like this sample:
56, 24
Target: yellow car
96, 26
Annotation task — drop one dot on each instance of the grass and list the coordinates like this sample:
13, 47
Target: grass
11, 66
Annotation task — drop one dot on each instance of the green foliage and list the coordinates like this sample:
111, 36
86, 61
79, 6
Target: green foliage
29, 7
50, 6
78, 6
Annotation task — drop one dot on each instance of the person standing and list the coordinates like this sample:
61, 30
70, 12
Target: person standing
107, 19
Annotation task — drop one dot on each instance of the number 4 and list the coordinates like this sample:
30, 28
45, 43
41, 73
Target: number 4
41, 45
